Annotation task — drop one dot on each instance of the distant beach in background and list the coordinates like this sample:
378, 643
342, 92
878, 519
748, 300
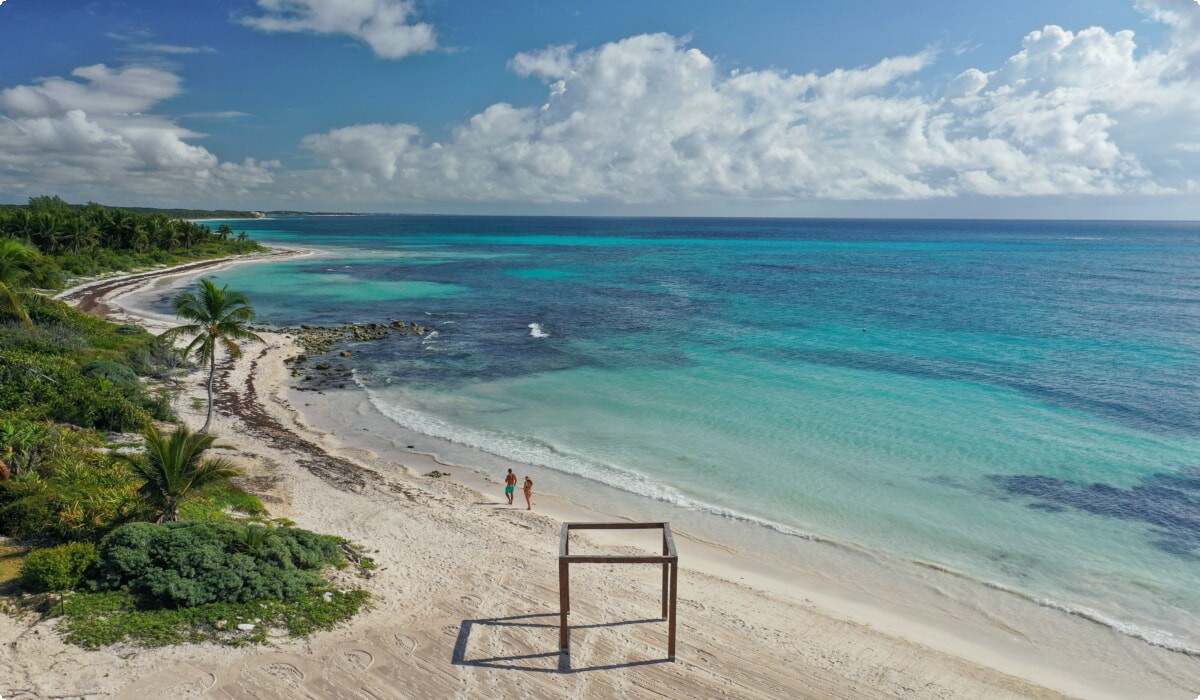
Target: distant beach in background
1013, 402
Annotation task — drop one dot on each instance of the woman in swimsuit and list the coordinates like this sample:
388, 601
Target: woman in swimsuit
528, 493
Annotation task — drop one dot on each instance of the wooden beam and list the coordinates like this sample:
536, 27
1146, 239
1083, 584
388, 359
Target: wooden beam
564, 601
616, 558
614, 526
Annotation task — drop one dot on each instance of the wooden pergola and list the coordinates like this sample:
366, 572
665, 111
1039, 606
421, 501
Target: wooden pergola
670, 572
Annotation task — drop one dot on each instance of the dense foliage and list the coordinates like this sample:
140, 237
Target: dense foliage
76, 369
186, 564
73, 241
66, 486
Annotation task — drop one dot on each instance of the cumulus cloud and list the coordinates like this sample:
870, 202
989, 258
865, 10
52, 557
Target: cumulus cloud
386, 26
93, 134
651, 119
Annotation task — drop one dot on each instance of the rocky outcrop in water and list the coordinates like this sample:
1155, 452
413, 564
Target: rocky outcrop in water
318, 340
316, 369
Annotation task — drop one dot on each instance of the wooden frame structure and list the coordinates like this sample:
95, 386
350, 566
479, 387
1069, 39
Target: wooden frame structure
670, 572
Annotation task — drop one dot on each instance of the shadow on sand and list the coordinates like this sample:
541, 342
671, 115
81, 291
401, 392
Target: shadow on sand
513, 663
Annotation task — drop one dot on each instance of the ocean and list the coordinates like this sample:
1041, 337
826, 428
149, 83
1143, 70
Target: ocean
1013, 401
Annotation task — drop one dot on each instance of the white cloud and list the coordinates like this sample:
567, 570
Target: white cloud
174, 49
105, 90
649, 119
94, 135
653, 120
384, 25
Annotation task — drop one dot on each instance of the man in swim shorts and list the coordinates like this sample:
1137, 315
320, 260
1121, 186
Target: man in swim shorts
510, 485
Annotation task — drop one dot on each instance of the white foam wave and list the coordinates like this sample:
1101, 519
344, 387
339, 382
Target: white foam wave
535, 330
1153, 637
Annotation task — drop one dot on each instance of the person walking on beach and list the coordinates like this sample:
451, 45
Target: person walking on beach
510, 485
528, 493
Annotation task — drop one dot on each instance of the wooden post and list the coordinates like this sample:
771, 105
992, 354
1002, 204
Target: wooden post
671, 620
666, 574
564, 598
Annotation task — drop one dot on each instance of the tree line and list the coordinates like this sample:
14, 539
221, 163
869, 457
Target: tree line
55, 227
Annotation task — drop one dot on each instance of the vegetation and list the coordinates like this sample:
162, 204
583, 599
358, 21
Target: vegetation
72, 368
153, 542
61, 240
57, 569
94, 620
186, 564
16, 263
173, 468
219, 317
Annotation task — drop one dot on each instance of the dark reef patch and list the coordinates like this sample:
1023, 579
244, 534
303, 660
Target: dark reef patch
1168, 502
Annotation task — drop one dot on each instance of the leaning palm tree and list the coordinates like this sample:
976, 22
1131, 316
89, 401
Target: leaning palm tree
15, 261
174, 468
218, 317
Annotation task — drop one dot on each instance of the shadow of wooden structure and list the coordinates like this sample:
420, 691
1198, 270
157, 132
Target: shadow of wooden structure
670, 573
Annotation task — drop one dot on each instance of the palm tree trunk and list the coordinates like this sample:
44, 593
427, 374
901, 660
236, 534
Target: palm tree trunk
212, 372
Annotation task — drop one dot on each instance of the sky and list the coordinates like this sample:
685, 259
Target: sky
923, 108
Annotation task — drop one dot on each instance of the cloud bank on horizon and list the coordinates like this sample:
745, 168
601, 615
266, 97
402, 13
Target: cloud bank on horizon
652, 119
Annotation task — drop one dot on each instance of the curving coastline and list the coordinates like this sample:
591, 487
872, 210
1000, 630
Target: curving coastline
312, 459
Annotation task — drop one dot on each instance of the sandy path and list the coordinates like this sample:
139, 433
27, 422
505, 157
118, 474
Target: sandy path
466, 599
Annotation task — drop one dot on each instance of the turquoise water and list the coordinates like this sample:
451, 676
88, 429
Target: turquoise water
1014, 401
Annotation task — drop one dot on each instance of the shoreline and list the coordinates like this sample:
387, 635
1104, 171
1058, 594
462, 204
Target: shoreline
260, 403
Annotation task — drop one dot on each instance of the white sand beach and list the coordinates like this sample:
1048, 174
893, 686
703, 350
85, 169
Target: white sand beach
466, 599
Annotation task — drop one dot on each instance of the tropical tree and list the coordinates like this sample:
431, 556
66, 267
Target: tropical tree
15, 261
224, 231
79, 234
219, 317
173, 467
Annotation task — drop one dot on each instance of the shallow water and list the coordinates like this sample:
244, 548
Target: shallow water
1015, 401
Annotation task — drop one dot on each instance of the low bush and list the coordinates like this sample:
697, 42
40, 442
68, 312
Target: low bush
94, 620
129, 329
185, 564
112, 371
57, 569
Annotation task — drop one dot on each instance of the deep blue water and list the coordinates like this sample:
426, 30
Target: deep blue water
1016, 401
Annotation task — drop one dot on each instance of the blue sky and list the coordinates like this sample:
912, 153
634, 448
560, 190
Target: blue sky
928, 108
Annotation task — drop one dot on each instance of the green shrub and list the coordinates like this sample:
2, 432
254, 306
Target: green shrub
112, 371
94, 620
57, 569
129, 329
185, 564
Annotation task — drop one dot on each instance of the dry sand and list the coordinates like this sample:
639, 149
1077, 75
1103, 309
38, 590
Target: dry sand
466, 598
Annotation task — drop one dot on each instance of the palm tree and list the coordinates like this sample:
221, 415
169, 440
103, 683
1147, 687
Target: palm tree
15, 260
173, 467
224, 231
79, 234
218, 318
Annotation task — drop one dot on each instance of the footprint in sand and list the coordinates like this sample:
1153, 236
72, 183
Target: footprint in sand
406, 643
284, 672
471, 601
359, 658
